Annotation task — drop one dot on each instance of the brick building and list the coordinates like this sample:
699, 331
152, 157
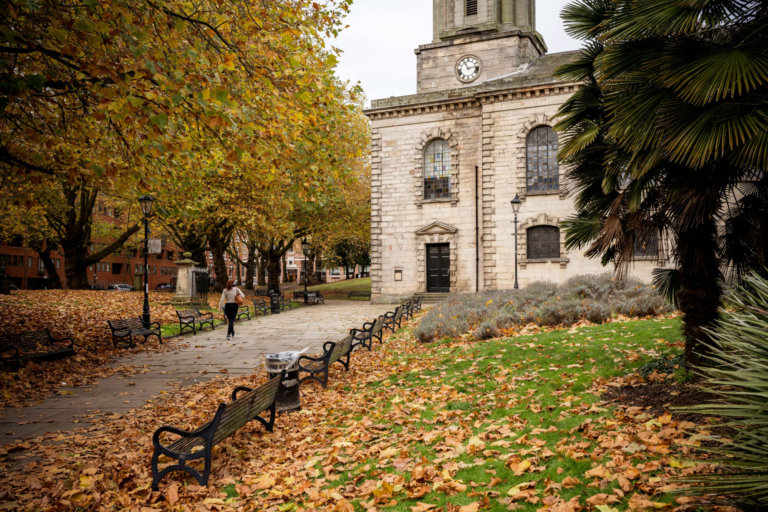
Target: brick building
447, 161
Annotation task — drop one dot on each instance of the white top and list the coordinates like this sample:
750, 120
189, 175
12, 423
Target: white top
228, 296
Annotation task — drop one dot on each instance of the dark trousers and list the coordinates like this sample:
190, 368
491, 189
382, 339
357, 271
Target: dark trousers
230, 309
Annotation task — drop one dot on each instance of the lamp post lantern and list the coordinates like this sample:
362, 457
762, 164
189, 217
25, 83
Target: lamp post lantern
146, 209
305, 246
516, 202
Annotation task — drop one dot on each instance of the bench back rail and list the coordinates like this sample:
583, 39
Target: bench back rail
36, 345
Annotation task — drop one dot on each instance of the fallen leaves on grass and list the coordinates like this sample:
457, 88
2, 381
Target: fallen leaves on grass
419, 427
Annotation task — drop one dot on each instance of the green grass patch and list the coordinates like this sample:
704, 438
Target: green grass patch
488, 409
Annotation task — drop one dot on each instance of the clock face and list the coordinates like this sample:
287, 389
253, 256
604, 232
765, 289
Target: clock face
468, 68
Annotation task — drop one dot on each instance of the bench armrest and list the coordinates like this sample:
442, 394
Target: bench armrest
367, 326
207, 314
156, 325
309, 358
59, 340
172, 430
238, 389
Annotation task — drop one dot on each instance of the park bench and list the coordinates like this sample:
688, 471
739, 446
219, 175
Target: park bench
415, 304
407, 309
130, 327
392, 319
315, 298
229, 417
243, 311
332, 353
193, 319
359, 293
33, 345
260, 306
312, 297
285, 304
364, 337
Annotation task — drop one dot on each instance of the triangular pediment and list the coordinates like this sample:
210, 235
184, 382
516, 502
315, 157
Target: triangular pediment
437, 228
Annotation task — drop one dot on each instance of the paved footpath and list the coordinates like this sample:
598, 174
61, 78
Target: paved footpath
209, 355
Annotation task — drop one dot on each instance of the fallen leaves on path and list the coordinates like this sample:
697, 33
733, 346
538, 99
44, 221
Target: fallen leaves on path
81, 315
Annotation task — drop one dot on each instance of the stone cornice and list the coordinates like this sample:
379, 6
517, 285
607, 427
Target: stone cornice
472, 100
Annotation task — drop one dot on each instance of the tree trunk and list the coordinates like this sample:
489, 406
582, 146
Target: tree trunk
261, 270
273, 271
218, 240
43, 249
700, 290
309, 262
250, 268
285, 269
697, 255
54, 282
73, 229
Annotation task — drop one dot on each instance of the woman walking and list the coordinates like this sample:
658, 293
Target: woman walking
231, 298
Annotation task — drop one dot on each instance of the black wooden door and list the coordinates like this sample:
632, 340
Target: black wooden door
438, 268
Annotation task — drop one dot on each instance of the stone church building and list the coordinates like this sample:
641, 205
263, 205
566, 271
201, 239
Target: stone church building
447, 161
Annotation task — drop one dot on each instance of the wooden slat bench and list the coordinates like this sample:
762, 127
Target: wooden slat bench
198, 443
359, 294
260, 306
364, 337
332, 353
193, 319
392, 319
243, 311
130, 327
15, 349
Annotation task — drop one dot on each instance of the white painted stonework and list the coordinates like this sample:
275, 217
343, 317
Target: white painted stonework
486, 124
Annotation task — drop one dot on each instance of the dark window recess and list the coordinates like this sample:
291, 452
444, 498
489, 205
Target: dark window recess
541, 171
437, 170
117, 268
648, 248
16, 241
543, 242
471, 7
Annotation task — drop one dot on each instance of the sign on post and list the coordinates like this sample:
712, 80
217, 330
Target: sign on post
154, 246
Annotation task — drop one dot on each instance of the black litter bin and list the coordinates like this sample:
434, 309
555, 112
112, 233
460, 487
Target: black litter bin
274, 303
288, 398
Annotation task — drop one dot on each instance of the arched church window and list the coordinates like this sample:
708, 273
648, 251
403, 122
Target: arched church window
541, 160
543, 242
437, 170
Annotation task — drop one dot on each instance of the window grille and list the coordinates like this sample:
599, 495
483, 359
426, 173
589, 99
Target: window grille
471, 7
648, 248
437, 170
543, 242
541, 171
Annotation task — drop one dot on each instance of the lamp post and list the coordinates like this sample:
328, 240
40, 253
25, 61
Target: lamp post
146, 209
305, 245
516, 202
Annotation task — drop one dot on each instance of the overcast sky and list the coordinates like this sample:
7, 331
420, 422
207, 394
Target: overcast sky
382, 34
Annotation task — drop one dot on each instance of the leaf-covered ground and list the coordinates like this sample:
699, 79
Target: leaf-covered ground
82, 315
507, 424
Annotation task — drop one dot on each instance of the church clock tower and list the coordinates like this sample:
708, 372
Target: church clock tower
477, 40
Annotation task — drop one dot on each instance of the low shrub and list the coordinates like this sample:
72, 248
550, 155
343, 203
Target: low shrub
736, 373
589, 297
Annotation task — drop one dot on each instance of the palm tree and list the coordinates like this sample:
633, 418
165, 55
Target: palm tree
669, 134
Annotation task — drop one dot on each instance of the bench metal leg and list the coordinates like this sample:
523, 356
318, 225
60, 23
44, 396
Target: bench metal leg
157, 476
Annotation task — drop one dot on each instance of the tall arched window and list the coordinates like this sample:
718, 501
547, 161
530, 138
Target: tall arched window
543, 242
541, 160
437, 170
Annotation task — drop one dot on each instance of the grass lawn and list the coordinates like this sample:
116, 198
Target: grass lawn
339, 289
511, 421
